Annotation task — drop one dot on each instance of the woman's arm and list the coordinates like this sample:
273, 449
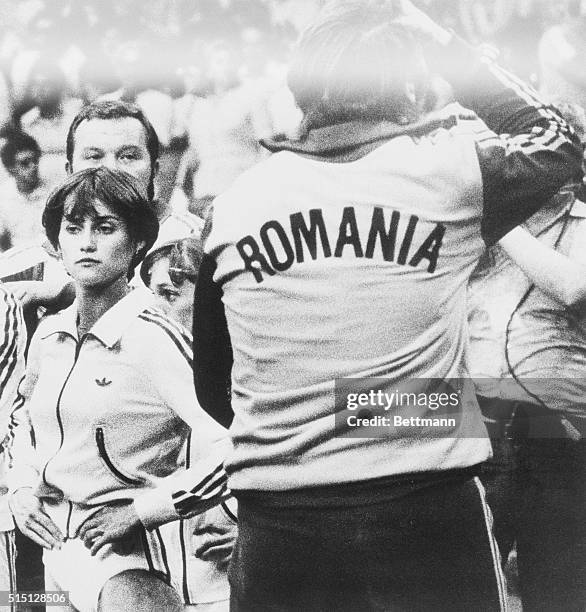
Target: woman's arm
554, 273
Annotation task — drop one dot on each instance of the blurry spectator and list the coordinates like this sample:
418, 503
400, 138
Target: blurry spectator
49, 118
562, 61
22, 197
5, 101
224, 129
98, 80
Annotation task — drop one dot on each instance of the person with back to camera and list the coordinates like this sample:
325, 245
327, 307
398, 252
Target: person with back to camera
347, 254
105, 490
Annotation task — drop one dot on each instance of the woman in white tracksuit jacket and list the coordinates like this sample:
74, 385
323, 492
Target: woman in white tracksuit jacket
112, 408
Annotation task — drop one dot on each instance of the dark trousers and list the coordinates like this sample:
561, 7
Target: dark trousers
536, 488
431, 550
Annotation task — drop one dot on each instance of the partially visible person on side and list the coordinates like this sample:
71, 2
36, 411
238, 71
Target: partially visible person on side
527, 321
12, 363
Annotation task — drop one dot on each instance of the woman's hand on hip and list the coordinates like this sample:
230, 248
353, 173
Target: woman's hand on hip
32, 520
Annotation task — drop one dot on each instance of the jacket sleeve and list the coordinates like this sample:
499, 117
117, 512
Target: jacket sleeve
12, 348
212, 358
204, 483
23, 469
528, 151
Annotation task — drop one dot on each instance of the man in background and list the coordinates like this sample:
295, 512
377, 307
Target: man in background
22, 197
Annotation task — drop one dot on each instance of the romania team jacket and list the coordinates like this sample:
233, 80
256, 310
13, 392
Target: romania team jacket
346, 255
111, 413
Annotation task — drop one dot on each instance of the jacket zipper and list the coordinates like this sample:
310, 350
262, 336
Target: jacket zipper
106, 458
60, 423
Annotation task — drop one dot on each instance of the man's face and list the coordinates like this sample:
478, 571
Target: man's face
119, 144
26, 170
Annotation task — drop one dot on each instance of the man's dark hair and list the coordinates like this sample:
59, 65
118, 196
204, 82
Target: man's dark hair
356, 63
17, 142
116, 109
118, 190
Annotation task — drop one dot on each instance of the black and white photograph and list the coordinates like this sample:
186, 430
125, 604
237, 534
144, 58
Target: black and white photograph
293, 300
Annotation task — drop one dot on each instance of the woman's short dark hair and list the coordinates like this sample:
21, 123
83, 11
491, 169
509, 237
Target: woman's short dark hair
355, 62
118, 190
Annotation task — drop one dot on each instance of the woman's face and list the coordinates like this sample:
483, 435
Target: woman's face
177, 302
97, 249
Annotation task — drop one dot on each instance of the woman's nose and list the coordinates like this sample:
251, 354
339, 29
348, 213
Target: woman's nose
88, 239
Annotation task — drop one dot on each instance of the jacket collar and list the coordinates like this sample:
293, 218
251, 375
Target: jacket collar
109, 328
333, 140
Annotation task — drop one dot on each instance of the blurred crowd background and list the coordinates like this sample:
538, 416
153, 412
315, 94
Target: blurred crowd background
211, 77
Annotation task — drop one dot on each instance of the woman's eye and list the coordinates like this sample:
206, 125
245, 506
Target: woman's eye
72, 229
106, 229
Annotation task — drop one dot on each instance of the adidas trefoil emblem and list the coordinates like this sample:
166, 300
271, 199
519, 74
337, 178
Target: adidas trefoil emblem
103, 382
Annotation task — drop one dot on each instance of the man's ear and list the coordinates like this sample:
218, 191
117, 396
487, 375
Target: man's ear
139, 246
68, 168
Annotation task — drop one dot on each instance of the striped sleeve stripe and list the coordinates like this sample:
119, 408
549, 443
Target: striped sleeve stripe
156, 316
9, 348
146, 548
524, 91
163, 551
214, 489
541, 139
191, 504
229, 512
491, 143
12, 424
9, 363
549, 137
188, 502
179, 329
180, 340
218, 471
184, 579
10, 324
547, 142
496, 557
556, 123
